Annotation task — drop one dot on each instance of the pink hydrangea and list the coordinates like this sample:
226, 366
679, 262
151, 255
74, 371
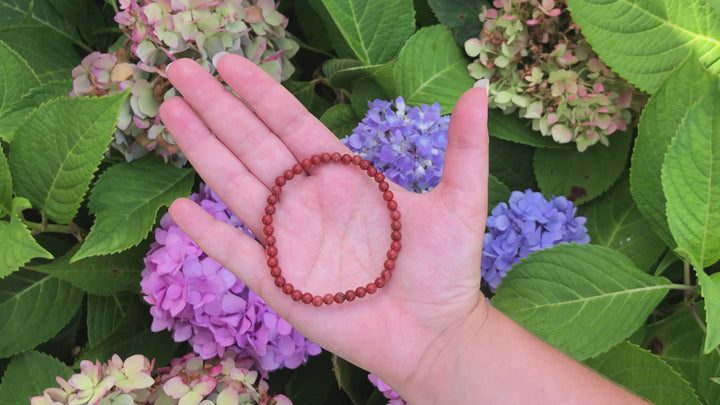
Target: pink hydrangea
202, 302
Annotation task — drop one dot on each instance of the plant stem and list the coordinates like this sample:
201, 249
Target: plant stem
69, 228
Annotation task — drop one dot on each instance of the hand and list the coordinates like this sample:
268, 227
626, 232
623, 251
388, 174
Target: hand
332, 226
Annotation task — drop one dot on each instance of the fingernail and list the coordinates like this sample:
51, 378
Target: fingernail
484, 83
167, 67
217, 57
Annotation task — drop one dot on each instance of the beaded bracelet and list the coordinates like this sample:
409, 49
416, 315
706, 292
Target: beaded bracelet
272, 250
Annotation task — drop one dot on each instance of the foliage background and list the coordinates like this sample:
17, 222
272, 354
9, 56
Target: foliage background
640, 304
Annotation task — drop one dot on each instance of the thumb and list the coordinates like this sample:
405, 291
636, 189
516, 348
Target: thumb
464, 184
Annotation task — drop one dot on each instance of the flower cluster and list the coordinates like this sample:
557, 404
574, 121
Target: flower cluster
204, 303
526, 223
540, 64
407, 144
393, 397
189, 380
161, 31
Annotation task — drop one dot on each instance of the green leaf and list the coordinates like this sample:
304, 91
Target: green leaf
710, 288
374, 29
691, 181
28, 375
333, 66
61, 145
340, 119
104, 314
461, 16
342, 49
515, 129
582, 299
644, 374
431, 68
645, 40
133, 335
18, 245
17, 112
353, 380
658, 125
709, 369
497, 192
313, 382
33, 308
50, 55
5, 185
677, 339
511, 163
102, 275
126, 199
581, 176
16, 78
614, 221
14, 12
363, 91
343, 73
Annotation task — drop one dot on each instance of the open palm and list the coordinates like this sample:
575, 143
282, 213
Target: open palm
332, 225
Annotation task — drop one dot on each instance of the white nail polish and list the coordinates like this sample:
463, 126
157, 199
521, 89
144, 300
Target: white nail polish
484, 83
217, 57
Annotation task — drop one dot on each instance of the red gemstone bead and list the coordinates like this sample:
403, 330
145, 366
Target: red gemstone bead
386, 274
306, 163
388, 195
280, 181
364, 164
360, 292
267, 219
379, 282
279, 281
272, 199
379, 178
326, 158
339, 298
336, 157
350, 295
396, 225
396, 235
392, 254
317, 300
384, 186
276, 190
396, 245
356, 160
272, 262
272, 251
371, 171
288, 288
298, 168
296, 295
316, 159
346, 158
392, 205
270, 240
268, 230
270, 209
289, 174
328, 299
371, 288
389, 264
307, 298
395, 215
275, 271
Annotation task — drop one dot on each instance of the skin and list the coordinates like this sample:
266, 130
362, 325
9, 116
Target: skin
429, 333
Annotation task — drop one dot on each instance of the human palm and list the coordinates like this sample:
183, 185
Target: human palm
332, 225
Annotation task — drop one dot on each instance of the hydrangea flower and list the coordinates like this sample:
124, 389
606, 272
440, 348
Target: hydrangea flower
393, 397
189, 380
541, 65
202, 302
161, 31
527, 223
407, 144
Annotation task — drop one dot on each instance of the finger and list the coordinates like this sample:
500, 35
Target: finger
301, 132
238, 128
214, 162
465, 174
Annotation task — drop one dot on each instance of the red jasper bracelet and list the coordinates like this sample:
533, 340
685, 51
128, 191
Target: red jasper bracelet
272, 250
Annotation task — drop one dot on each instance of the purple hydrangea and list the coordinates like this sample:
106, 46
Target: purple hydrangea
393, 397
202, 302
407, 144
526, 223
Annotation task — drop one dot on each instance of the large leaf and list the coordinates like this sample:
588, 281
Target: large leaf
340, 119
515, 129
50, 54
709, 368
497, 192
363, 91
461, 16
645, 40
581, 176
644, 374
16, 79
710, 288
583, 299
342, 73
659, 123
28, 374
511, 163
691, 181
614, 221
5, 185
314, 383
104, 314
353, 380
374, 29
18, 111
126, 199
100, 275
13, 12
33, 308
431, 68
59, 148
18, 245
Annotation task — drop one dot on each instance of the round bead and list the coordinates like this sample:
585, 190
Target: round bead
395, 215
360, 292
270, 209
396, 235
280, 181
328, 299
389, 264
316, 159
386, 274
306, 163
396, 245
371, 171
379, 282
396, 225
272, 199
298, 168
272, 262
268, 230
379, 178
326, 158
296, 295
288, 288
364, 164
289, 174
267, 219
356, 160
336, 157
317, 300
350, 295
346, 158
339, 298
270, 240
371, 288
392, 205
388, 195
275, 271
276, 190
271, 250
392, 254
279, 281
307, 298
384, 186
